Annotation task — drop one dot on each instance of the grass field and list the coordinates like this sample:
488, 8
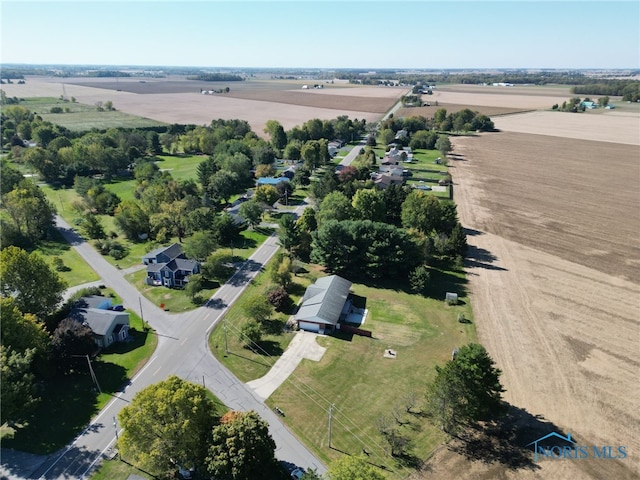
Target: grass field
354, 376
82, 117
77, 271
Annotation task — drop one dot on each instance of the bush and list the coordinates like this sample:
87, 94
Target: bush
58, 264
55, 110
279, 298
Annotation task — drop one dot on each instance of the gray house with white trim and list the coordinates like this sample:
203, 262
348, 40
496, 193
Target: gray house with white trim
324, 304
108, 326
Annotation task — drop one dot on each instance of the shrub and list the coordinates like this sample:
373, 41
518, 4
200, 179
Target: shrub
58, 264
279, 298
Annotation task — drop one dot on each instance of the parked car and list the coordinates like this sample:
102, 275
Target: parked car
118, 308
297, 473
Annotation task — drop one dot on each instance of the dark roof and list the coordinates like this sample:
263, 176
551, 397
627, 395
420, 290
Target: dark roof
172, 251
323, 300
93, 301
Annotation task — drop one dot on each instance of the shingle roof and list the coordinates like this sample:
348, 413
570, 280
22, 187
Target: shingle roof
172, 251
323, 300
98, 320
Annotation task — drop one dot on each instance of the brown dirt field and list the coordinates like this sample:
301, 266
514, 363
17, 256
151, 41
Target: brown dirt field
506, 97
429, 112
555, 292
310, 99
200, 109
621, 125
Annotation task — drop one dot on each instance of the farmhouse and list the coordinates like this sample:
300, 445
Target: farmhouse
108, 325
324, 304
169, 266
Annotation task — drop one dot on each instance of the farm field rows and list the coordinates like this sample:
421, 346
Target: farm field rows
555, 288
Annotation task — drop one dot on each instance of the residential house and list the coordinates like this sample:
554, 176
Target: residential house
169, 266
324, 304
384, 180
271, 180
108, 325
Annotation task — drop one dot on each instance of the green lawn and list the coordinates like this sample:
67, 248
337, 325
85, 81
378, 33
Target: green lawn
76, 271
82, 118
71, 401
245, 363
364, 386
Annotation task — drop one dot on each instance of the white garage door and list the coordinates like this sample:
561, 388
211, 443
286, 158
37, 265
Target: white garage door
309, 327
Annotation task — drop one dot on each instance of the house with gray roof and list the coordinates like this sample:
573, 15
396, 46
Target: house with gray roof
324, 304
169, 266
108, 326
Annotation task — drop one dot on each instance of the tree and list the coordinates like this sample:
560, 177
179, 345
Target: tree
21, 332
335, 206
258, 308
251, 333
168, 424
281, 271
279, 298
368, 204
267, 194
354, 468
10, 177
70, 338
31, 213
443, 145
19, 392
288, 232
419, 278
29, 279
218, 267
422, 212
194, 286
131, 219
92, 227
466, 389
251, 212
242, 449
200, 245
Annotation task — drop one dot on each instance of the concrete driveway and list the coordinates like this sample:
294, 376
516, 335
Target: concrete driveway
302, 346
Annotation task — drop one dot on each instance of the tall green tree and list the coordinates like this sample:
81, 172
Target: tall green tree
258, 308
168, 423
288, 233
466, 389
28, 278
251, 212
242, 449
31, 214
19, 389
368, 204
335, 206
22, 331
422, 212
131, 219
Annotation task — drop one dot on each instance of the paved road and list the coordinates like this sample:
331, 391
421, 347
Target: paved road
182, 350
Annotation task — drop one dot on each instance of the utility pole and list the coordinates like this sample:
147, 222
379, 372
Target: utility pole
330, 418
93, 375
141, 314
226, 344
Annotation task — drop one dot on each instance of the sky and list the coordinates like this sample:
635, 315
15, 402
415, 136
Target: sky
418, 34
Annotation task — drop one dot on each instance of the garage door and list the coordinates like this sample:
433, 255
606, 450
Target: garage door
309, 327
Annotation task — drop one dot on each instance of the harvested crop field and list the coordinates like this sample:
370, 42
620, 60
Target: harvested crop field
555, 289
255, 102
